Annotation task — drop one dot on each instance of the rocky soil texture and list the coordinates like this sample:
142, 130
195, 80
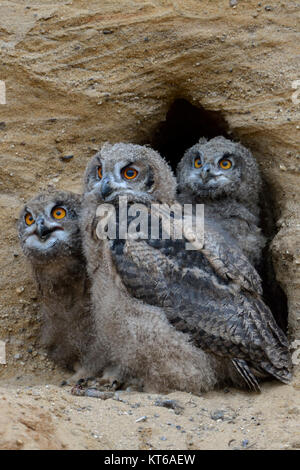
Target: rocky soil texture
45, 416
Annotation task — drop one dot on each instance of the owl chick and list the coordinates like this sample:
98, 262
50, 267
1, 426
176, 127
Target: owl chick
175, 318
225, 177
49, 234
135, 341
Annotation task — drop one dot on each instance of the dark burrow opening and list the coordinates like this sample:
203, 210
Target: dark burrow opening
182, 128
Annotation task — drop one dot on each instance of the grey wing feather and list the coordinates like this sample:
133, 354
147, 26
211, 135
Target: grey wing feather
222, 253
198, 302
229, 261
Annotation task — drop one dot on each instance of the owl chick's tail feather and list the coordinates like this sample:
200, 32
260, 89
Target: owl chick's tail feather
243, 369
284, 374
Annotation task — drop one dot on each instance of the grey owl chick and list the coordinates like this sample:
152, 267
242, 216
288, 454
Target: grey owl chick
224, 176
135, 341
179, 319
49, 234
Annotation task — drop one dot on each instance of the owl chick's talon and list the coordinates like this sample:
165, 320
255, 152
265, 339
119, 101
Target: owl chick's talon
110, 383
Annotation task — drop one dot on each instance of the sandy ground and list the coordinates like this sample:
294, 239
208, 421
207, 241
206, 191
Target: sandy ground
47, 416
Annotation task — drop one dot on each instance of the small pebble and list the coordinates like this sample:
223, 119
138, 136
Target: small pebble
171, 404
245, 443
218, 414
135, 405
66, 158
141, 419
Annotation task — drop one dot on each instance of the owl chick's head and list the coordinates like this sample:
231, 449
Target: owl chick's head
219, 168
134, 171
49, 226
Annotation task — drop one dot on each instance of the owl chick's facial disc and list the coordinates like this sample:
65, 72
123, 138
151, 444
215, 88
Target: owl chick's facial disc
211, 170
43, 228
123, 178
217, 168
127, 170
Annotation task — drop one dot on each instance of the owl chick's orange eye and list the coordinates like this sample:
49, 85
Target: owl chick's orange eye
198, 163
225, 164
29, 219
100, 172
58, 213
130, 173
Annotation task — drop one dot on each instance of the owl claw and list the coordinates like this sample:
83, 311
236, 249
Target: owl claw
110, 383
79, 378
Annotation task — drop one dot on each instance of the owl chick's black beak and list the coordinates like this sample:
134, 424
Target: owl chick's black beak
205, 172
42, 230
106, 188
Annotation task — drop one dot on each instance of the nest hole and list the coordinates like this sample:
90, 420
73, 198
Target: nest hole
183, 126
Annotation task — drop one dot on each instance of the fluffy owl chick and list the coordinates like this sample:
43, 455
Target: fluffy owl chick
135, 341
225, 177
49, 234
177, 318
